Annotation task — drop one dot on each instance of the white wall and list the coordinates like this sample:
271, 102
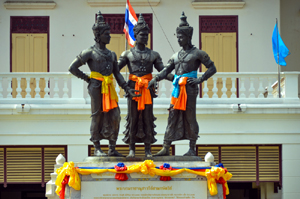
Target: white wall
77, 17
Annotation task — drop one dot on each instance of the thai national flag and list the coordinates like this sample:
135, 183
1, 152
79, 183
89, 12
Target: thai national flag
130, 22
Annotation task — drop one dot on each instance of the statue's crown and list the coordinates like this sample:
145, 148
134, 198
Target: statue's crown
184, 26
100, 24
141, 24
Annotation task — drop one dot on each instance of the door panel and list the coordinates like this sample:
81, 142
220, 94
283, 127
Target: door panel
221, 47
29, 54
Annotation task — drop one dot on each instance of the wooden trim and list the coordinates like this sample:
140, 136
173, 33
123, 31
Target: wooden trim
218, 5
5, 168
43, 166
257, 166
122, 3
29, 5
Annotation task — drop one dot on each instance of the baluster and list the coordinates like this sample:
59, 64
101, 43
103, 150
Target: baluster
163, 89
224, 89
18, 89
233, 88
47, 87
270, 89
171, 88
56, 89
28, 87
242, 89
261, 89
118, 90
65, 89
9, 87
215, 89
205, 89
251, 89
1, 89
37, 88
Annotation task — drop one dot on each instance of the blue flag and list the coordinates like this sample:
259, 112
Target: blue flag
279, 47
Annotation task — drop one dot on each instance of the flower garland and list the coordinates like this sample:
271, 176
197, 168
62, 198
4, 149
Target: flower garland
214, 175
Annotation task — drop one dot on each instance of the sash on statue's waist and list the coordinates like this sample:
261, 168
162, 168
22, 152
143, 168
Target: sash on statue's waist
141, 84
179, 95
109, 94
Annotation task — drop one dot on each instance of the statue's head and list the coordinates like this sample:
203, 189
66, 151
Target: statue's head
141, 28
184, 27
100, 27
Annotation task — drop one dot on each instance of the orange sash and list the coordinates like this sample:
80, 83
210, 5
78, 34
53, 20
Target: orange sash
109, 102
180, 102
141, 84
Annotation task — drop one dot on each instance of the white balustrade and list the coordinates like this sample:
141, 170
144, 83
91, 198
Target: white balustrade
65, 88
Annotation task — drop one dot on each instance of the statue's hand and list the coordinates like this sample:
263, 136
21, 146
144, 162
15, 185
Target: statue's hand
193, 81
152, 83
132, 93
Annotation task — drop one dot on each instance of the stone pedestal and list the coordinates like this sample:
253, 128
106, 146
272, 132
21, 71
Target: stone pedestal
138, 185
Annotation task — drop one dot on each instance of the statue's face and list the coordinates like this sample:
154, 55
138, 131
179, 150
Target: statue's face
142, 37
182, 39
105, 37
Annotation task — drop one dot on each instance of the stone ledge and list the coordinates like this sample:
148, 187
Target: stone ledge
121, 3
218, 5
29, 5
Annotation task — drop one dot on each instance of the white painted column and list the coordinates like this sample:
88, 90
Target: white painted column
290, 171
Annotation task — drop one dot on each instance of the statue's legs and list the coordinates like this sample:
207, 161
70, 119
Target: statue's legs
165, 150
148, 150
112, 149
192, 150
98, 151
131, 151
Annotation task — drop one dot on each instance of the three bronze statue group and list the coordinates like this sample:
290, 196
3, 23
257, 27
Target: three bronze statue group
140, 89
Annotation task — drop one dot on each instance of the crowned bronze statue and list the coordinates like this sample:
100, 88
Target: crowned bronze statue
104, 100
182, 122
140, 61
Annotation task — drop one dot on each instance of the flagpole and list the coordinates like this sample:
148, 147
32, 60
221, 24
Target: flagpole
126, 44
279, 89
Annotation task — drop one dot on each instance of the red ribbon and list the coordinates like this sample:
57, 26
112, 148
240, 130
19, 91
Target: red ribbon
222, 181
121, 176
165, 178
63, 188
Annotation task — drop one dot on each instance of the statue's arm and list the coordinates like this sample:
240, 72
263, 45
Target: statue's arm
166, 71
209, 64
116, 71
123, 60
80, 60
163, 74
158, 64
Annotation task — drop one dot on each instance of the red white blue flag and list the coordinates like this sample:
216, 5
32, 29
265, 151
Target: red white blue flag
130, 22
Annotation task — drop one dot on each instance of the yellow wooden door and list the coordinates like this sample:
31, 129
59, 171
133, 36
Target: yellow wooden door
29, 54
221, 47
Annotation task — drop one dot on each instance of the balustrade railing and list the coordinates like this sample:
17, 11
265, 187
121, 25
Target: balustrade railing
64, 88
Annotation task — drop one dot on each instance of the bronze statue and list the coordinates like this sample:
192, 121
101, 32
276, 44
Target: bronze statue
104, 100
140, 61
182, 122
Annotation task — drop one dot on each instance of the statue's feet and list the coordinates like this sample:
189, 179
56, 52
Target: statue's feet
100, 153
148, 154
163, 152
114, 153
131, 154
190, 152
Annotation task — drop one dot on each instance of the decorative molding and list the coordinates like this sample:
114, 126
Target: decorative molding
121, 3
218, 5
29, 5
